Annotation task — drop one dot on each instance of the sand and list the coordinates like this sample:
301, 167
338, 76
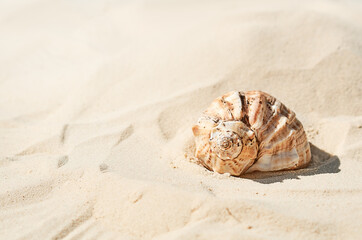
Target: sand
98, 99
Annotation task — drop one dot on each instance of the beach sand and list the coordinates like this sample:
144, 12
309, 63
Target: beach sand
98, 99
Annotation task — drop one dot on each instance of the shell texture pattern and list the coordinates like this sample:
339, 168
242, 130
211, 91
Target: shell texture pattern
250, 131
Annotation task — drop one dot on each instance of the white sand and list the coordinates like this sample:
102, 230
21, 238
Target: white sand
98, 99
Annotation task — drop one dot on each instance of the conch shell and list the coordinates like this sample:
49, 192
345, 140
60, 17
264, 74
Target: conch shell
250, 131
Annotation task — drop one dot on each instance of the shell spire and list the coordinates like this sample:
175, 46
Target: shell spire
250, 131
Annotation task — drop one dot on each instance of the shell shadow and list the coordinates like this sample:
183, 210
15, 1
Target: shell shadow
322, 163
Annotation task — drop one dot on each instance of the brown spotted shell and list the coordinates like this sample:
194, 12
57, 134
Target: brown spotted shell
250, 131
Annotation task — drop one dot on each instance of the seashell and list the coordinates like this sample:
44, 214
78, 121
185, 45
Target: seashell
250, 131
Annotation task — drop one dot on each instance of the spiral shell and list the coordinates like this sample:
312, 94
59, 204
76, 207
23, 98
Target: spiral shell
250, 131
